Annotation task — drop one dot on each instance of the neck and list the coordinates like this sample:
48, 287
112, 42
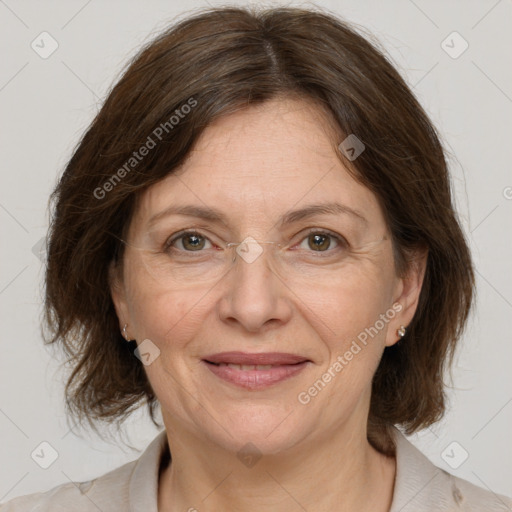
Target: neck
340, 471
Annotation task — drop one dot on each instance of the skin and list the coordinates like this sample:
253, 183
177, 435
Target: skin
254, 165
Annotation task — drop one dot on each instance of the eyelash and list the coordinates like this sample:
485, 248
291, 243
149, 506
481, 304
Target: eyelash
342, 242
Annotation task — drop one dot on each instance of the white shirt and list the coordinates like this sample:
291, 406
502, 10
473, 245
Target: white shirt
419, 487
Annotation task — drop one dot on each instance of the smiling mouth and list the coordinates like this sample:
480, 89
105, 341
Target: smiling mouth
255, 377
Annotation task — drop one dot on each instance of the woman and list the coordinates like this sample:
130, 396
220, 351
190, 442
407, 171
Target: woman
257, 234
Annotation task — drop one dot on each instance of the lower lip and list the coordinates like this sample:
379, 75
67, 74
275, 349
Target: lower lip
256, 379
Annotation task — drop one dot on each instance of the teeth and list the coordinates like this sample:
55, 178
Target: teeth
248, 366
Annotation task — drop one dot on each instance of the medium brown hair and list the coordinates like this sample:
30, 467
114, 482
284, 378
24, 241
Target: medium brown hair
222, 60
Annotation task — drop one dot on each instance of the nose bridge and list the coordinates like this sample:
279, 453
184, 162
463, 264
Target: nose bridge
254, 292
250, 249
254, 262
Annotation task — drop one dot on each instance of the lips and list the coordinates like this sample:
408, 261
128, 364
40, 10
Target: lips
256, 359
255, 371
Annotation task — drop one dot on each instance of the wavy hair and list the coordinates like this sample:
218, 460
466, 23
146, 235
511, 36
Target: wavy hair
227, 59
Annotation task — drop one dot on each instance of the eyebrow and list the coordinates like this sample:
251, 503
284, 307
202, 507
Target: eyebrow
289, 217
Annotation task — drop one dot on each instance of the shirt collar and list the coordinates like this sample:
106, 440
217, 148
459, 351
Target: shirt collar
143, 489
420, 486
415, 477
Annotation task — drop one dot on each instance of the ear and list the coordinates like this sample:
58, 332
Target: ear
118, 294
407, 294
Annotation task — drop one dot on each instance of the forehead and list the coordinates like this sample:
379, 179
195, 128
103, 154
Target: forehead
268, 140
264, 159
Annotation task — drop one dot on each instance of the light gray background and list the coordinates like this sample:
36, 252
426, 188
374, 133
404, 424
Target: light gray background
47, 103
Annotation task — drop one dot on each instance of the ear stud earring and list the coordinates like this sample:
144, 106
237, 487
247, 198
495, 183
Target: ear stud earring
401, 332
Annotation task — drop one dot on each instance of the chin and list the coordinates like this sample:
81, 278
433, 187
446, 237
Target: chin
271, 429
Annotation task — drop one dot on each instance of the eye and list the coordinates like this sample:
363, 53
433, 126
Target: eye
189, 241
321, 241
192, 241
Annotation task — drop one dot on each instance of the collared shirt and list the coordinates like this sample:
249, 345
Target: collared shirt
420, 486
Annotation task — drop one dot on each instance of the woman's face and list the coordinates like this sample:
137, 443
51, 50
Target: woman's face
335, 314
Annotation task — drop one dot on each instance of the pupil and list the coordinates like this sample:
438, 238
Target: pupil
320, 238
195, 241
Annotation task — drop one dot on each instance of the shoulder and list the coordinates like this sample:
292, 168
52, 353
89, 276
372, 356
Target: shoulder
110, 488
124, 488
475, 498
420, 486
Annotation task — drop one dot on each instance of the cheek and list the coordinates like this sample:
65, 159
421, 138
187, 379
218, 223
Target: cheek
353, 320
355, 300
353, 336
168, 318
158, 313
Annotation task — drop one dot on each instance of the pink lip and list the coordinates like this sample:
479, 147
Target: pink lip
284, 367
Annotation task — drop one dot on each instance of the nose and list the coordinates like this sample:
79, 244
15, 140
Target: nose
254, 295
